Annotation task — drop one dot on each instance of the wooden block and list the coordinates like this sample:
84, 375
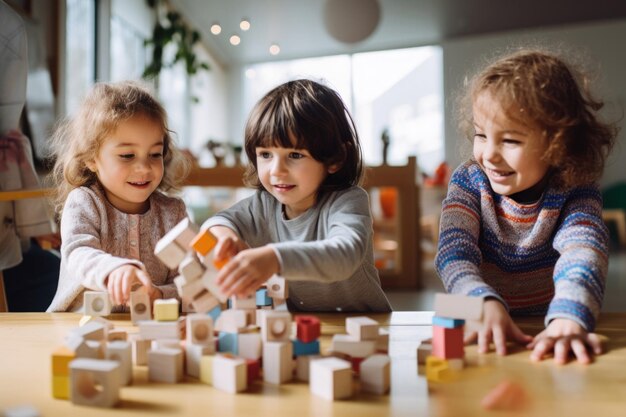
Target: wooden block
152, 329
165, 344
262, 298
447, 322
165, 365
220, 264
375, 374
200, 330
61, 387
227, 343
61, 358
140, 351
254, 370
206, 369
166, 309
457, 306
424, 350
96, 303
448, 343
248, 303
362, 328
506, 396
303, 365
90, 331
230, 374
249, 345
117, 335
277, 287
382, 343
184, 233
204, 242
191, 268
437, 370
97, 319
344, 343
231, 321
169, 252
331, 378
82, 349
204, 302
277, 362
276, 326
95, 383
193, 356
308, 328
208, 279
304, 349
122, 352
140, 308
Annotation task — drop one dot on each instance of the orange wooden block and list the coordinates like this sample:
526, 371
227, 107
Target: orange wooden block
448, 343
507, 395
219, 264
204, 242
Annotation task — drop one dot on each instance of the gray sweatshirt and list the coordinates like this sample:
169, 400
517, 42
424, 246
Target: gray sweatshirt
326, 253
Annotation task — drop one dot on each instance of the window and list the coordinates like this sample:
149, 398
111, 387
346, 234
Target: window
80, 53
398, 90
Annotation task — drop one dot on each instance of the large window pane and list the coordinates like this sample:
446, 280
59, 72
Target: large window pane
80, 51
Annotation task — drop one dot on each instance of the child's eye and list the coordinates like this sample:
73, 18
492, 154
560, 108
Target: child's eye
127, 156
480, 136
296, 155
511, 141
156, 155
263, 155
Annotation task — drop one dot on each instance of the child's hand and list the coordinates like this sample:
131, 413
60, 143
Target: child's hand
497, 326
120, 283
247, 271
228, 243
563, 336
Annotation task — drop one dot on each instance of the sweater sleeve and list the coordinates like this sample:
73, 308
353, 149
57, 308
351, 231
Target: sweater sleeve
82, 249
458, 256
338, 254
580, 272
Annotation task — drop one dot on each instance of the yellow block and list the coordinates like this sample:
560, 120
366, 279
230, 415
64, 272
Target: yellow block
166, 310
438, 370
206, 369
61, 359
61, 387
204, 242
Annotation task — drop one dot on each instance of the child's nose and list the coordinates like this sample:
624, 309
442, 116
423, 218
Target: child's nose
278, 167
491, 151
142, 165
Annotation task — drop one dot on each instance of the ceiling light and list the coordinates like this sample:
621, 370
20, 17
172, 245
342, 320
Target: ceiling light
235, 40
244, 25
216, 29
274, 49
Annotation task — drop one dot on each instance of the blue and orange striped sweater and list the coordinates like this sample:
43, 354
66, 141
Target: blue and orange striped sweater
549, 257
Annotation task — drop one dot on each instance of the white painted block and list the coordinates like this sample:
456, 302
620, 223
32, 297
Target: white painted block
96, 303
200, 330
193, 355
140, 308
169, 252
94, 382
276, 326
375, 374
362, 328
249, 345
344, 343
165, 365
277, 362
230, 374
331, 378
277, 287
121, 352
303, 366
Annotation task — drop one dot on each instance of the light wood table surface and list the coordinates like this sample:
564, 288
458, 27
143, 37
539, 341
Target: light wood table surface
597, 390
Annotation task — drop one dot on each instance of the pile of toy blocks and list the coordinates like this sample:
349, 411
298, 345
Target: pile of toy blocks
225, 343
446, 355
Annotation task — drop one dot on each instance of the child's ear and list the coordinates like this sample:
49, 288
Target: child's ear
333, 168
91, 165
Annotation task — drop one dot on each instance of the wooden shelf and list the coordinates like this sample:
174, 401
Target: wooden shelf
407, 273
24, 194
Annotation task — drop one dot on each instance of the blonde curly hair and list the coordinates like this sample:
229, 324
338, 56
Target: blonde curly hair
77, 140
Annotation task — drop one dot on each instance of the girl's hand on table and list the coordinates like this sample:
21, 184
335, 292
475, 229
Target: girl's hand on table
563, 336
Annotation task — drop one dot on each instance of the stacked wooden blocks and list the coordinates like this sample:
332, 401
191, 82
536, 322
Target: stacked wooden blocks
446, 355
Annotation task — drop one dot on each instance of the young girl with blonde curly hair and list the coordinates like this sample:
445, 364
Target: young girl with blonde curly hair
114, 161
522, 224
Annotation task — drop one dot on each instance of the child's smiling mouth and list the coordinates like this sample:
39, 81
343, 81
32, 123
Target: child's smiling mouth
281, 188
140, 184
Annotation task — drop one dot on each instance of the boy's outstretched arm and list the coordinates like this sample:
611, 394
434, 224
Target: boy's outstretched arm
248, 270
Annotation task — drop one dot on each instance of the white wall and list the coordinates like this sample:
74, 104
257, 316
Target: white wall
603, 43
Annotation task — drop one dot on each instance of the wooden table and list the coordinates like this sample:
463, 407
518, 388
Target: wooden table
598, 390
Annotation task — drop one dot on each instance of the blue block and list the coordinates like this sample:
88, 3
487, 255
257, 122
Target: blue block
303, 349
215, 313
227, 342
262, 299
447, 322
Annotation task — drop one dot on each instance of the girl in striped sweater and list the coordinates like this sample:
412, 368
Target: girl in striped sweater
521, 225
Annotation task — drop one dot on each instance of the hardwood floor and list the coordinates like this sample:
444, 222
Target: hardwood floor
614, 297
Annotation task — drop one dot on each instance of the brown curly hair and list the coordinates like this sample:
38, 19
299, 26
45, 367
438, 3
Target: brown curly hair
542, 89
316, 117
77, 140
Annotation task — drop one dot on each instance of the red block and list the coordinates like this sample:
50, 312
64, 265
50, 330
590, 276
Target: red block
356, 364
448, 343
254, 370
308, 328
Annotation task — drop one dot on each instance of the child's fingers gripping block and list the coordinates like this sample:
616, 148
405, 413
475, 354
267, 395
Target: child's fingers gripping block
204, 242
220, 264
